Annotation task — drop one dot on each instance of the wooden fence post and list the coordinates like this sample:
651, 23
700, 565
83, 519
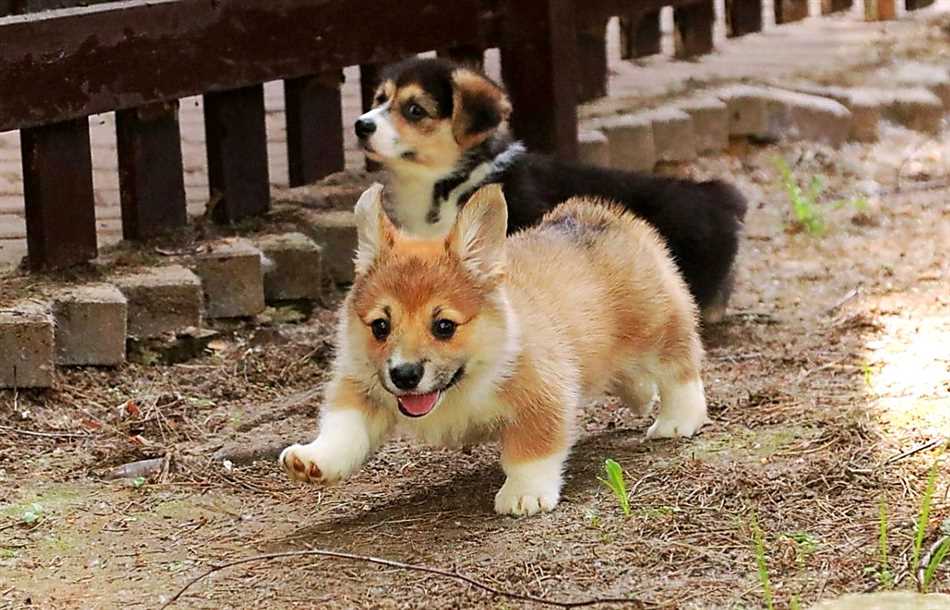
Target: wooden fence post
314, 127
640, 35
743, 17
469, 55
151, 178
592, 61
787, 11
57, 185
539, 66
236, 136
693, 29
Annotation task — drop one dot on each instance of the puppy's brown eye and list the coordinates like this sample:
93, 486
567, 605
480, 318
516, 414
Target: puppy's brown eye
414, 112
380, 328
443, 329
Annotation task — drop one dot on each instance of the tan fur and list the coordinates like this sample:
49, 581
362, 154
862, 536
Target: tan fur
549, 320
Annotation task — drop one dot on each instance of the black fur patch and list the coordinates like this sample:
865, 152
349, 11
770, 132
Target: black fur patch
434, 76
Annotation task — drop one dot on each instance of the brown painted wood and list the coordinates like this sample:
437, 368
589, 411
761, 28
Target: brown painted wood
236, 137
842, 5
788, 11
538, 60
57, 184
640, 35
470, 55
314, 127
369, 81
151, 178
95, 59
693, 29
743, 17
592, 61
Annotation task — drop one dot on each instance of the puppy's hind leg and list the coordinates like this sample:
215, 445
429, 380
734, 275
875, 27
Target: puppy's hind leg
637, 389
682, 398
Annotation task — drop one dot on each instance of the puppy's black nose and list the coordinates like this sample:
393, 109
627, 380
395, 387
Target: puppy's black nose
364, 128
406, 376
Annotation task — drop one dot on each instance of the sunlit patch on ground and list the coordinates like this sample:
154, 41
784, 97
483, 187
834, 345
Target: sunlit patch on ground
907, 372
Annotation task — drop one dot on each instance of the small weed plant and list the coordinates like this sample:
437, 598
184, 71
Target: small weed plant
939, 555
807, 213
614, 481
884, 574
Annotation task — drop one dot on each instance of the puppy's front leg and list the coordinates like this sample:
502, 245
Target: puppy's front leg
351, 428
533, 450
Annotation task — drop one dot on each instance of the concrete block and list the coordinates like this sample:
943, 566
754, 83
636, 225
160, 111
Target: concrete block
91, 325
26, 347
915, 108
891, 600
161, 300
864, 104
800, 116
630, 139
935, 78
233, 279
593, 148
748, 115
673, 138
335, 231
710, 122
297, 267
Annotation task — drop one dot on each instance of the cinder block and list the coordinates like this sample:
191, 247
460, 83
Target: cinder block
673, 138
335, 231
630, 139
161, 300
26, 347
915, 108
297, 270
748, 115
800, 116
864, 104
91, 325
710, 122
233, 279
593, 148
935, 78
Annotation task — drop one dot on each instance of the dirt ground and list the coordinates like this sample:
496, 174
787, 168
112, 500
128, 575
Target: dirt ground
833, 363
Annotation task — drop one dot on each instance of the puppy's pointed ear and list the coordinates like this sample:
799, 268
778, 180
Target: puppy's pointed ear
478, 107
375, 233
478, 237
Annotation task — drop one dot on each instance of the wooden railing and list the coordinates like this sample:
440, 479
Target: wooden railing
139, 57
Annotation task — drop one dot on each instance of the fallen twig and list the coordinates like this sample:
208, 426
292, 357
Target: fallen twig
633, 603
912, 451
44, 434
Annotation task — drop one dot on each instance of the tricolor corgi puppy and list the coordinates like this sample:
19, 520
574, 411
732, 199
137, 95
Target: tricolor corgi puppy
438, 129
473, 337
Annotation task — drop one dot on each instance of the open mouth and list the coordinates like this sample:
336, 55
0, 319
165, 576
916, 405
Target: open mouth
418, 405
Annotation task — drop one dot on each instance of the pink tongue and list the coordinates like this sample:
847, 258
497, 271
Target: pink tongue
419, 404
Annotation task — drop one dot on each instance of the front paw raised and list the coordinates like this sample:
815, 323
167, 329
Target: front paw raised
310, 464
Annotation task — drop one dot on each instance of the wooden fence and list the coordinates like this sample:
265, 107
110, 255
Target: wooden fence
139, 57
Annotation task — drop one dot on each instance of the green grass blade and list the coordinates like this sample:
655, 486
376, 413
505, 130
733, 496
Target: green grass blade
935, 560
761, 564
923, 518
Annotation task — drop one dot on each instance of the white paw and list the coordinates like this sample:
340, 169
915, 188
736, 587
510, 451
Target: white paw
521, 500
682, 412
310, 464
675, 428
